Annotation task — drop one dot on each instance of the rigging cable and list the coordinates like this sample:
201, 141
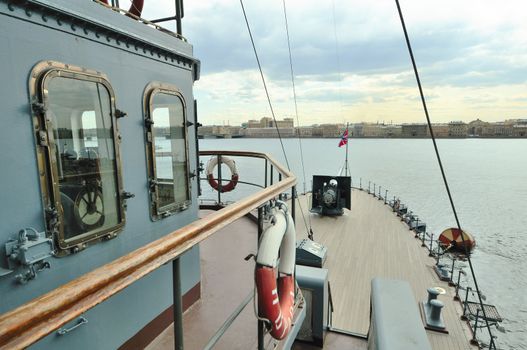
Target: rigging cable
441, 167
337, 54
264, 84
310, 229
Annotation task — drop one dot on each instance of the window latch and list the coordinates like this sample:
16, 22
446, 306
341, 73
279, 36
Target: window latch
149, 122
127, 195
38, 108
120, 114
192, 174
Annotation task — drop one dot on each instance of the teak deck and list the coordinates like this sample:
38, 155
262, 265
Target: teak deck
370, 241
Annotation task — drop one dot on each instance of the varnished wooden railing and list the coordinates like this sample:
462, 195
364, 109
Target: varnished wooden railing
34, 320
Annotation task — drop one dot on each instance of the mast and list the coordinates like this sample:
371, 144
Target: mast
347, 142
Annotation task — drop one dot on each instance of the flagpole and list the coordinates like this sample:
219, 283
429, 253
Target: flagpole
348, 135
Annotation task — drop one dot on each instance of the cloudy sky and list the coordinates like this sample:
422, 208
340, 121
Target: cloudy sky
350, 59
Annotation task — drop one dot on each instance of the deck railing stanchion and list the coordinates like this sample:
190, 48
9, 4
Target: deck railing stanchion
374, 189
423, 240
464, 316
178, 309
385, 196
451, 282
293, 204
220, 185
416, 228
369, 183
265, 176
431, 245
360, 183
380, 196
456, 297
261, 324
272, 170
474, 340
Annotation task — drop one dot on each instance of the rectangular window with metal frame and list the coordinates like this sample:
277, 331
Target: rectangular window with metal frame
81, 181
167, 150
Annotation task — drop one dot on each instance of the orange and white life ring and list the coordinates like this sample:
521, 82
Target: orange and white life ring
457, 239
136, 7
211, 164
277, 298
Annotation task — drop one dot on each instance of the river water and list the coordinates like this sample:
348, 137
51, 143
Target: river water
488, 181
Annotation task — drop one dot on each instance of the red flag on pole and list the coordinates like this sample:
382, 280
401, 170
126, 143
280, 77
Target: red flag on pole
344, 138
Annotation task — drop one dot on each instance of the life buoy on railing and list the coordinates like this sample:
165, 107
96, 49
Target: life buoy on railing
276, 295
136, 8
213, 161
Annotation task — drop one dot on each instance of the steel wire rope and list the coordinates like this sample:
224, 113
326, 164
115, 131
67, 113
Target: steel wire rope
337, 54
310, 229
270, 104
264, 85
445, 181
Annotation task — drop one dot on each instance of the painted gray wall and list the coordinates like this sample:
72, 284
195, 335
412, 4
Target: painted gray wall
26, 40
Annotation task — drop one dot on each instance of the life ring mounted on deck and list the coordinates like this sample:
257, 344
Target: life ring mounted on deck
136, 7
211, 164
276, 296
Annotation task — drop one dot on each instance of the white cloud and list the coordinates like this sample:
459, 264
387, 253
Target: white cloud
471, 55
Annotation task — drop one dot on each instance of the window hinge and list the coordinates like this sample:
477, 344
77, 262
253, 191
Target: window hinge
124, 197
192, 174
127, 195
189, 123
38, 108
120, 114
42, 138
149, 122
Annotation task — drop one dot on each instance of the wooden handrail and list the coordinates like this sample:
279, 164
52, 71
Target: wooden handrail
32, 321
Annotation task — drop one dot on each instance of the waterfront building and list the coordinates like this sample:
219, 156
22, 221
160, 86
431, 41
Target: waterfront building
457, 129
441, 130
414, 130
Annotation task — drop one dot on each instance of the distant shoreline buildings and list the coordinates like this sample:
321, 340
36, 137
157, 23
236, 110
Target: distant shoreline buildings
266, 128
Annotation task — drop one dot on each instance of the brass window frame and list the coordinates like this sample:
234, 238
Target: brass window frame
42, 73
156, 212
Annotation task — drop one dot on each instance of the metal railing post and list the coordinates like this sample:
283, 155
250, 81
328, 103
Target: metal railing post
271, 176
219, 179
178, 308
451, 282
369, 183
430, 253
293, 202
474, 340
360, 183
261, 324
416, 228
423, 240
464, 316
265, 176
456, 297
385, 196
380, 196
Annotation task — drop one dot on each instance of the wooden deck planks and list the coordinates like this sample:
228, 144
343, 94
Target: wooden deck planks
371, 241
